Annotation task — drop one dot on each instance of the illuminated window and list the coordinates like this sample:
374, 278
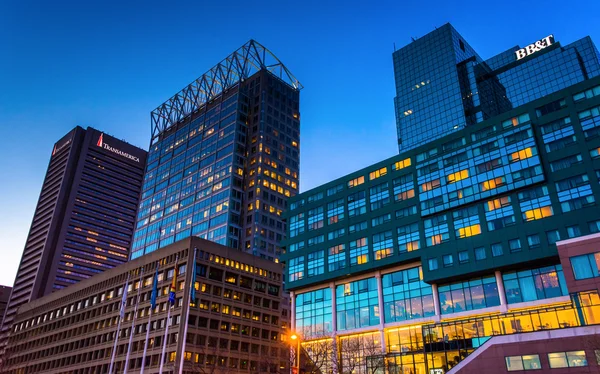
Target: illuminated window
356, 182
296, 269
438, 238
378, 173
526, 362
459, 175
428, 186
492, 183
473, 230
383, 245
497, 203
567, 359
521, 155
337, 257
359, 251
516, 120
401, 164
537, 213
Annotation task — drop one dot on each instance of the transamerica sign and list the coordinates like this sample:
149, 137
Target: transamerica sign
102, 144
535, 47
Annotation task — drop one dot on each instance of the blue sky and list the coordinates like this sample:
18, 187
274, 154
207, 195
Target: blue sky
108, 64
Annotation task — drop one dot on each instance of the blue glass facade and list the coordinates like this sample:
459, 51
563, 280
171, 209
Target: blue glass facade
442, 84
190, 183
225, 172
487, 197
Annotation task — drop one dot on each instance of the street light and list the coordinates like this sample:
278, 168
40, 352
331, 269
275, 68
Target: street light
296, 337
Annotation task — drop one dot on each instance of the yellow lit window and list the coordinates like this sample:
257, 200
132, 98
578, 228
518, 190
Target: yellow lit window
405, 195
492, 183
412, 246
498, 203
472, 230
356, 182
347, 289
383, 253
377, 173
538, 213
428, 186
172, 356
362, 259
521, 155
459, 175
436, 239
402, 164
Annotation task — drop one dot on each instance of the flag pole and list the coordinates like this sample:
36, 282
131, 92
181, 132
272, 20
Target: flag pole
131, 331
171, 302
187, 313
164, 347
152, 306
121, 315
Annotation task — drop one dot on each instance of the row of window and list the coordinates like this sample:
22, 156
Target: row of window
406, 297
556, 360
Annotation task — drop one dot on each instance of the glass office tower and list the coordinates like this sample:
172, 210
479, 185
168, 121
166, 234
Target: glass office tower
224, 158
443, 85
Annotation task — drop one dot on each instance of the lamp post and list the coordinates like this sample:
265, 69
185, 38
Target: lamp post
297, 338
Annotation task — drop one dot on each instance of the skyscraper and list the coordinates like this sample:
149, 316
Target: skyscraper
224, 157
443, 85
83, 223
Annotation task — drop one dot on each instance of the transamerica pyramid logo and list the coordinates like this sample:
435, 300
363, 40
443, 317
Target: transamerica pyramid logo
100, 140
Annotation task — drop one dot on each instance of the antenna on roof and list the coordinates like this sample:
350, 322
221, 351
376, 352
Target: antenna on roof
413, 39
394, 46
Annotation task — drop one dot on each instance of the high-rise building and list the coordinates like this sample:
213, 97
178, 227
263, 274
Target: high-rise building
443, 85
238, 321
84, 219
224, 158
476, 251
4, 295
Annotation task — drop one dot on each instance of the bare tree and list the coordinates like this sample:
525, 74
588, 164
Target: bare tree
320, 355
361, 354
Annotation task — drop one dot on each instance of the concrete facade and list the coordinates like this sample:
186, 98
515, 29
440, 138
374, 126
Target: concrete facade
238, 322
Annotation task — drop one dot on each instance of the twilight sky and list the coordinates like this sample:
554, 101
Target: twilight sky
107, 64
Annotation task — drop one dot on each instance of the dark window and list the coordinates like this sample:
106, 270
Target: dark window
215, 274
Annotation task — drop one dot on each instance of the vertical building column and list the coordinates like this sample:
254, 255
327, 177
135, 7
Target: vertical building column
335, 346
333, 309
500, 285
293, 312
436, 300
381, 319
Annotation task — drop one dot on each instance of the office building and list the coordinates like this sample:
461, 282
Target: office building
443, 85
84, 219
237, 322
477, 249
224, 158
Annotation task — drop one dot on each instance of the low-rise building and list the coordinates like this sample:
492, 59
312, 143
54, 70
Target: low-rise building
237, 323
